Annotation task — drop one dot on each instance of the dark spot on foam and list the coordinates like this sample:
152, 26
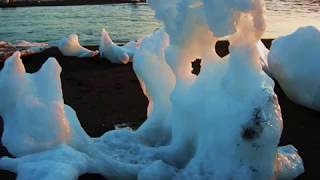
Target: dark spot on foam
253, 129
254, 170
196, 66
249, 133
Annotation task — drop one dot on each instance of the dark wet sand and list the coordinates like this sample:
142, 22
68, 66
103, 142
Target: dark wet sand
104, 94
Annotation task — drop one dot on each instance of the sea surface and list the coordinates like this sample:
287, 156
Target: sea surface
129, 21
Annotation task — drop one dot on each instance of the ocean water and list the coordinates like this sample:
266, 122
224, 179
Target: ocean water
129, 21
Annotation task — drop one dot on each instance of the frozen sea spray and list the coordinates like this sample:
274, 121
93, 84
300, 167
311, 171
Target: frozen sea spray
230, 127
33, 110
114, 53
224, 123
70, 46
294, 61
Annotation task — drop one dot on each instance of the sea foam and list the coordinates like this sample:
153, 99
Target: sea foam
224, 123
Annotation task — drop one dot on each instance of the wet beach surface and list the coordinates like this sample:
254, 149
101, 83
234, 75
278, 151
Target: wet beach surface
105, 94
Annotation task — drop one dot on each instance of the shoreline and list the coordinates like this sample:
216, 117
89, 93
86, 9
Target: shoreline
221, 49
66, 3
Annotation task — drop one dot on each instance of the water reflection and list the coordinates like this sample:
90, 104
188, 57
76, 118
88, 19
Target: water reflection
285, 16
299, 6
130, 21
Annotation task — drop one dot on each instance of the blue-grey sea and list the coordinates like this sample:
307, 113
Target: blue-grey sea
129, 21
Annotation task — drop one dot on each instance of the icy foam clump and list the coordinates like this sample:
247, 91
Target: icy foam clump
35, 117
289, 162
70, 46
61, 162
45, 134
294, 62
224, 123
114, 53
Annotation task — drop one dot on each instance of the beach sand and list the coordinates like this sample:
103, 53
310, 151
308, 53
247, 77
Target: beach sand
105, 94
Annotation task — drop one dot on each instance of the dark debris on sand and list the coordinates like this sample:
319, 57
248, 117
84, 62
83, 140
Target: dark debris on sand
104, 94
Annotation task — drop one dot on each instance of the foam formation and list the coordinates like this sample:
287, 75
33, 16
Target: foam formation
34, 99
70, 46
296, 68
115, 53
224, 123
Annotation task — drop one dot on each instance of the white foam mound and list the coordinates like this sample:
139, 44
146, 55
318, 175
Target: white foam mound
114, 53
45, 134
289, 163
70, 46
34, 99
224, 123
294, 62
